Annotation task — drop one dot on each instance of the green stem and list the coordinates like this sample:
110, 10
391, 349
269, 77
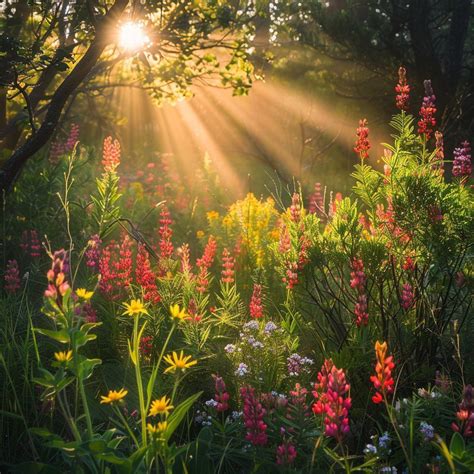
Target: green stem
126, 425
138, 375
156, 367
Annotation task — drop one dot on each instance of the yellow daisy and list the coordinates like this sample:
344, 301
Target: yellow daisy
113, 396
65, 356
158, 428
178, 313
84, 294
135, 307
180, 362
160, 407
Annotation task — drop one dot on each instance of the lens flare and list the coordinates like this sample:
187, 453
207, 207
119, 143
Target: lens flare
132, 37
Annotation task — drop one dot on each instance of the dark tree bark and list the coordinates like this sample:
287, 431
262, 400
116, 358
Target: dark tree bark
38, 139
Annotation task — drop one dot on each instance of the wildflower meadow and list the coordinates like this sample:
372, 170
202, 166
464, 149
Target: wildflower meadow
150, 323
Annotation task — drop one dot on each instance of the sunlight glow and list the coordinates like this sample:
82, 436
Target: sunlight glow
132, 37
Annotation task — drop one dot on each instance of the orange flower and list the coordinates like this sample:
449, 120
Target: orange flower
382, 380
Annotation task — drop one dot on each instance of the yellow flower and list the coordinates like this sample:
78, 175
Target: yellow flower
158, 428
177, 313
161, 406
211, 215
180, 362
84, 294
200, 234
113, 396
135, 307
63, 356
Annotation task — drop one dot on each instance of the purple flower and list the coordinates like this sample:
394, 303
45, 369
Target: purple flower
462, 166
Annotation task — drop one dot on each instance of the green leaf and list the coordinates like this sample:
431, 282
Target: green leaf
457, 445
61, 336
178, 414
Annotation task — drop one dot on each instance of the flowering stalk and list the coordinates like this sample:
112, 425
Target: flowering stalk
403, 90
427, 121
253, 413
256, 307
362, 145
462, 166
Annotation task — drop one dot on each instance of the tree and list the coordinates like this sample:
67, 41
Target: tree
53, 50
433, 39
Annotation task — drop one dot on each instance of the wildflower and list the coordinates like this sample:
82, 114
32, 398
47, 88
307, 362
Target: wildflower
204, 264
295, 208
358, 282
407, 297
73, 137
438, 160
253, 413
135, 308
256, 307
30, 243
157, 429
402, 89
465, 414
362, 145
370, 449
165, 232
92, 252
160, 406
383, 380
270, 327
57, 284
110, 155
242, 369
145, 277
316, 201
180, 362
12, 277
332, 400
358, 278
63, 356
222, 395
176, 313
427, 111
228, 267
285, 241
84, 294
427, 431
285, 454
89, 313
229, 348
296, 364
462, 166
291, 275
146, 345
114, 396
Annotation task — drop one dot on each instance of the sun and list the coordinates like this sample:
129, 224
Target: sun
132, 36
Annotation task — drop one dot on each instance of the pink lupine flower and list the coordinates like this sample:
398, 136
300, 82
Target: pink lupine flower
73, 137
403, 90
146, 346
124, 264
165, 232
285, 454
145, 277
462, 166
316, 201
332, 400
407, 297
362, 145
295, 208
358, 278
92, 252
183, 252
360, 311
253, 413
12, 277
291, 275
228, 267
221, 396
285, 241
110, 154
30, 243
204, 264
89, 313
256, 307
427, 121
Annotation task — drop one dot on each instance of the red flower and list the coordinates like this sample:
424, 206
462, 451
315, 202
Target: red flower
362, 145
382, 380
402, 89
332, 400
253, 413
12, 277
165, 232
427, 121
465, 414
228, 267
256, 307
